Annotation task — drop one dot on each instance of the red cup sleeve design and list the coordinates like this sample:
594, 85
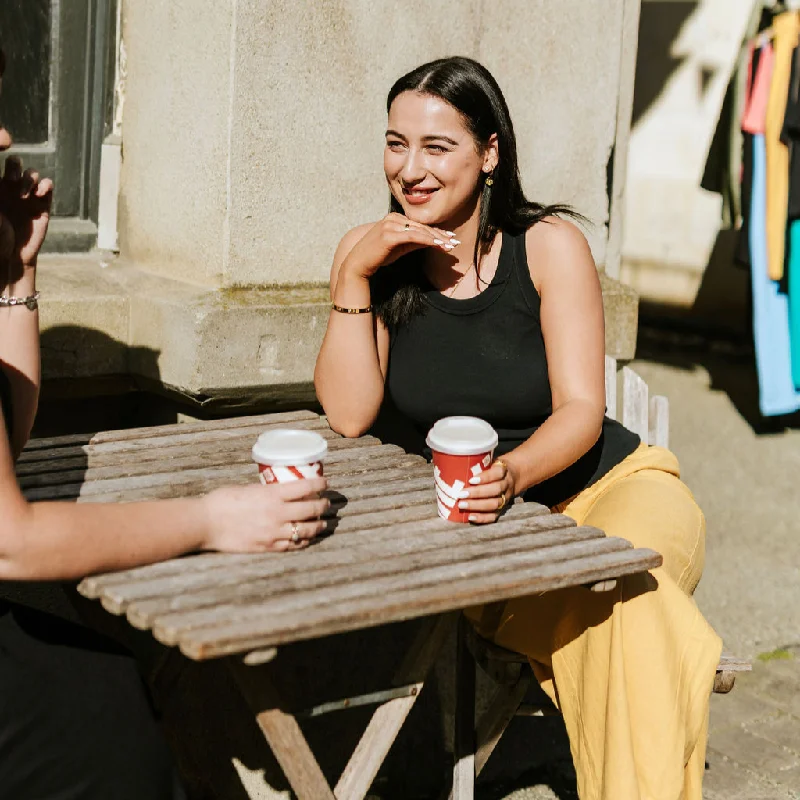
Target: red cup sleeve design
274, 474
452, 475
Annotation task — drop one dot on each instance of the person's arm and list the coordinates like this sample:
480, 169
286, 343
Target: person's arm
60, 540
24, 215
352, 362
573, 328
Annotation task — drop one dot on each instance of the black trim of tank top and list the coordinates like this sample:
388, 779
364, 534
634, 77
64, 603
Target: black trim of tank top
491, 294
530, 294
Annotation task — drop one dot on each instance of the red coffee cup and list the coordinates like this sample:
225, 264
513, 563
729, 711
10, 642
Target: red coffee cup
462, 448
289, 455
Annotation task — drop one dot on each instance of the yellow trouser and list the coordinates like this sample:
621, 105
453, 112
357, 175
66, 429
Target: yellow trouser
631, 670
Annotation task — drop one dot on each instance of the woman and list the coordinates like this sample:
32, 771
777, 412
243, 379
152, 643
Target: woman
75, 721
469, 299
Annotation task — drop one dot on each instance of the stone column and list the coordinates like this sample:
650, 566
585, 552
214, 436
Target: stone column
252, 141
253, 131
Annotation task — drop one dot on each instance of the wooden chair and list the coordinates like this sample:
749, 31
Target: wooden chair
510, 671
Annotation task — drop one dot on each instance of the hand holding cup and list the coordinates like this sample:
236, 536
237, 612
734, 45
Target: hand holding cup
254, 519
489, 493
462, 450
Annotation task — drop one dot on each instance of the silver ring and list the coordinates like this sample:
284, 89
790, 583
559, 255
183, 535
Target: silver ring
295, 534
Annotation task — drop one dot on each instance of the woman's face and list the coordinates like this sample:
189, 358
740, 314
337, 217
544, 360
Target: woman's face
432, 162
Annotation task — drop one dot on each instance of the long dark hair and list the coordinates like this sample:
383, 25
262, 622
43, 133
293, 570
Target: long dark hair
472, 90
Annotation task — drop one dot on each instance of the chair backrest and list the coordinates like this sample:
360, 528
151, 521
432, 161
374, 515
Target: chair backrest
642, 414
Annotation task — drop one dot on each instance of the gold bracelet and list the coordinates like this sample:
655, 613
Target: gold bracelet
344, 310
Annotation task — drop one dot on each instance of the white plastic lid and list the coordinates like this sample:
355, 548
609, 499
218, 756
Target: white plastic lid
284, 448
462, 436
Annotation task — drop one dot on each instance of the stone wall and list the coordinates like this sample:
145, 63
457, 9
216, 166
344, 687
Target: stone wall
253, 132
252, 141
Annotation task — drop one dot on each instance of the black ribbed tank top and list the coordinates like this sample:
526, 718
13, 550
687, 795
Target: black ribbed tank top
485, 357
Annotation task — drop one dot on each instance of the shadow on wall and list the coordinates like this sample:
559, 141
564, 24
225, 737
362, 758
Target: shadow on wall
87, 384
659, 25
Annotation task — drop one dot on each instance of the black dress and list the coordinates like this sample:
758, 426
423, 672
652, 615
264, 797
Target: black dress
75, 719
485, 357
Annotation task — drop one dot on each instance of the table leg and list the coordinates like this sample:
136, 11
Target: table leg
290, 747
284, 736
464, 728
494, 721
387, 720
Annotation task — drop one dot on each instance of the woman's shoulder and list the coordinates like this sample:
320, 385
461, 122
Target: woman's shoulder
554, 235
557, 247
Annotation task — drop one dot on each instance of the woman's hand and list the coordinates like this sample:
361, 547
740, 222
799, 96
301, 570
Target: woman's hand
391, 238
254, 519
492, 491
25, 202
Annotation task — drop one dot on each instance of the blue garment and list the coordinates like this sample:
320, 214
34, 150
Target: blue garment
794, 298
777, 394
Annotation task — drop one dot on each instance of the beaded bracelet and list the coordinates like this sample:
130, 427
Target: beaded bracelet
31, 302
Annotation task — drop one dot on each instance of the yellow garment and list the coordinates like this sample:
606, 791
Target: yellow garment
786, 29
631, 670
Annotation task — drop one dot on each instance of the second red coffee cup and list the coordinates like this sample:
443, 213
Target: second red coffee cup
462, 448
285, 455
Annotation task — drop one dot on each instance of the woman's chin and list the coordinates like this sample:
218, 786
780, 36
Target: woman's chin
424, 215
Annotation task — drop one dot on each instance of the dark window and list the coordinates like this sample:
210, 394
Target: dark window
26, 100
57, 101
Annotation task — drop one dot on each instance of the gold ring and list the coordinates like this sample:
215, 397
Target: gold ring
502, 502
295, 534
503, 464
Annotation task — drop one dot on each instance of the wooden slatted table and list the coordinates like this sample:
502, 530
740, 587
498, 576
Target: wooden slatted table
390, 558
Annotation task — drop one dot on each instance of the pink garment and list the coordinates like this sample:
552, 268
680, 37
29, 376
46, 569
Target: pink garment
754, 118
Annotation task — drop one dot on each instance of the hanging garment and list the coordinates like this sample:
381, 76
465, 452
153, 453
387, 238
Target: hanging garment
741, 256
791, 137
770, 307
777, 394
786, 29
755, 112
794, 298
753, 121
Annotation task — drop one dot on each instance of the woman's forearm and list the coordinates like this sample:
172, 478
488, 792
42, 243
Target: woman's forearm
348, 376
57, 541
569, 433
19, 355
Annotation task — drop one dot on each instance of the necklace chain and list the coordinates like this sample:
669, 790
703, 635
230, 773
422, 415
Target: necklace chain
458, 282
